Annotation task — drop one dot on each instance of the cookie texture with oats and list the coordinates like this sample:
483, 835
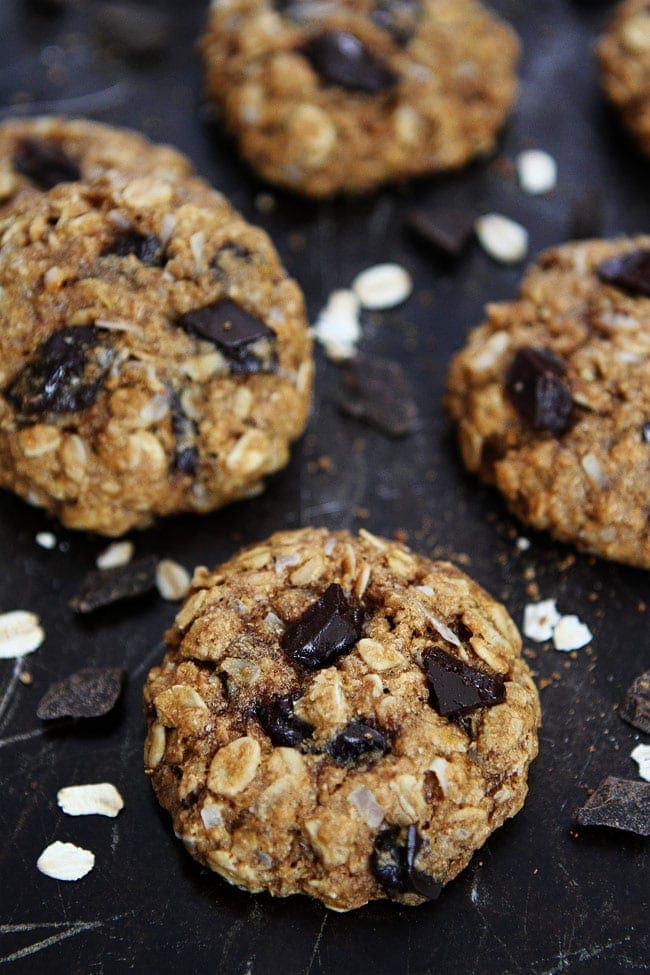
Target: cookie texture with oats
154, 355
551, 398
341, 96
339, 717
624, 56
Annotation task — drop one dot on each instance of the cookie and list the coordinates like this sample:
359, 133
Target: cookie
346, 95
551, 398
154, 356
339, 717
624, 55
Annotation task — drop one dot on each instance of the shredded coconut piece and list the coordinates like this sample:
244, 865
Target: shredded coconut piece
211, 816
283, 562
442, 628
641, 755
540, 620
571, 634
367, 806
65, 861
99, 799
20, 633
197, 241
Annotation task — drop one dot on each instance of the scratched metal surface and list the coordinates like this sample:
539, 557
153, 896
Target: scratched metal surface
536, 899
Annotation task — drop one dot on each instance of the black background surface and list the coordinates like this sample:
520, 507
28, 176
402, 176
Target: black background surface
536, 899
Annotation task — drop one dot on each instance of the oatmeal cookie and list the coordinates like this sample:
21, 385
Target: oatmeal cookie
340, 717
344, 95
154, 356
624, 54
551, 397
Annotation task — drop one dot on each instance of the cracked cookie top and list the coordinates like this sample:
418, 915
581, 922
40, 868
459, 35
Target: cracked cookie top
624, 55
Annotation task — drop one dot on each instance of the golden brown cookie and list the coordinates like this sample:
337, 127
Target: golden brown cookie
340, 717
154, 356
324, 97
551, 397
624, 54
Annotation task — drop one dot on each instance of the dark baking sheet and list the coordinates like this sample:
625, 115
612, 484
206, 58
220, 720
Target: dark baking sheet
537, 898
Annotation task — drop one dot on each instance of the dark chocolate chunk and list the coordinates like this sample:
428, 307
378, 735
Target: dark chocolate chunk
66, 374
620, 804
88, 693
645, 432
132, 30
342, 59
393, 864
356, 741
630, 271
329, 628
538, 390
587, 216
399, 18
448, 229
147, 249
279, 722
46, 8
636, 707
377, 391
103, 587
242, 337
455, 688
45, 162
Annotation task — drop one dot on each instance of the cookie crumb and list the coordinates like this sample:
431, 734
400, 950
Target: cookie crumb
337, 327
571, 634
540, 620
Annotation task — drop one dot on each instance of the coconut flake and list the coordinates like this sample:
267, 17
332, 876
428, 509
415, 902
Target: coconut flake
46, 540
442, 629
537, 171
173, 580
440, 766
383, 286
273, 622
337, 327
571, 634
283, 562
65, 861
20, 633
503, 239
540, 620
99, 799
367, 806
641, 755
119, 553
167, 228
593, 470
211, 816
197, 242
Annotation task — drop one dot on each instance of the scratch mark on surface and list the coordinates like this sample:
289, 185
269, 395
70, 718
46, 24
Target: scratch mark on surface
25, 736
473, 894
144, 664
8, 692
91, 101
319, 938
563, 961
71, 932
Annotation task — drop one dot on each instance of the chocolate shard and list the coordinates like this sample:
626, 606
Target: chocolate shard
88, 693
282, 726
329, 628
147, 249
448, 229
393, 864
377, 392
342, 59
358, 741
636, 707
455, 688
45, 162
538, 390
620, 804
103, 587
243, 338
66, 374
587, 216
399, 18
630, 271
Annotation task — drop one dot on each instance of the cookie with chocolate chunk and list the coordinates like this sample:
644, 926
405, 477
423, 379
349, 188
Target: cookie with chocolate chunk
339, 717
624, 55
551, 398
154, 355
344, 95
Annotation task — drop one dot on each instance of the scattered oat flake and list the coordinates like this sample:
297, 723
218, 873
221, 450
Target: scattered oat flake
571, 634
20, 633
502, 238
46, 540
537, 171
540, 620
641, 755
173, 580
337, 327
65, 861
383, 286
523, 544
98, 799
119, 553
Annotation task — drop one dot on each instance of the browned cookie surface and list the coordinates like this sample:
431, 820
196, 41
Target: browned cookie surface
624, 54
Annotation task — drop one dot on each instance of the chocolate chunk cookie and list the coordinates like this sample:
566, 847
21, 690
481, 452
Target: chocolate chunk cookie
624, 54
344, 95
340, 717
154, 356
551, 397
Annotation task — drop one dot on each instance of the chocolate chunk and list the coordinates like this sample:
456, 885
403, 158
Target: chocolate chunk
377, 392
46, 8
399, 18
342, 59
358, 740
620, 804
393, 864
630, 271
186, 455
279, 722
448, 229
88, 693
45, 162
326, 630
455, 688
132, 30
66, 374
536, 386
645, 432
587, 216
103, 587
242, 337
148, 250
636, 707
